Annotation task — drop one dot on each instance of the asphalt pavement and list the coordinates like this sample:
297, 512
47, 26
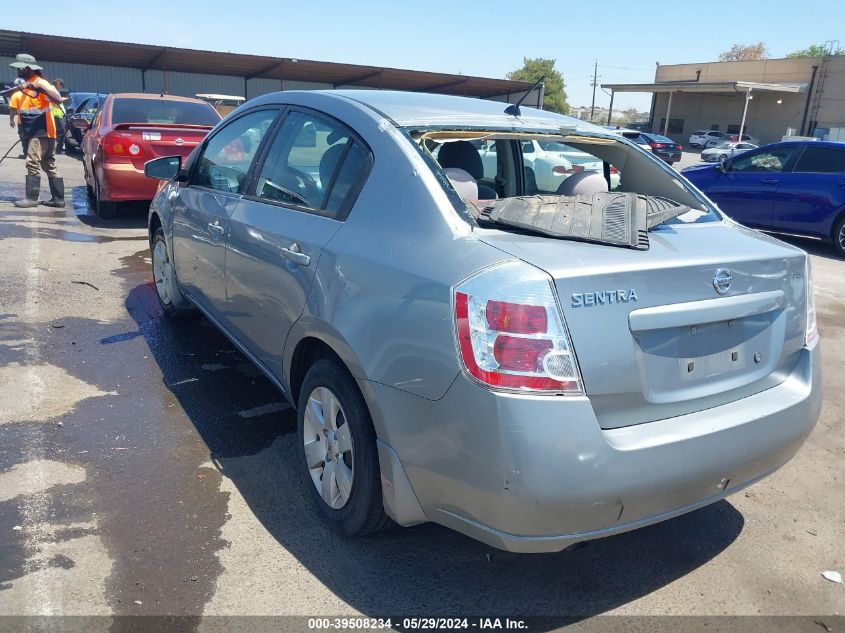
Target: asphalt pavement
146, 468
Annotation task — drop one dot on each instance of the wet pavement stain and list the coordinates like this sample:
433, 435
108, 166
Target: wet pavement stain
153, 499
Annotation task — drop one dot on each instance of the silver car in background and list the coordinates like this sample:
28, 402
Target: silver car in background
532, 368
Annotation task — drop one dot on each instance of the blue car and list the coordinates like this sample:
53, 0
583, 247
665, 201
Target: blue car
792, 187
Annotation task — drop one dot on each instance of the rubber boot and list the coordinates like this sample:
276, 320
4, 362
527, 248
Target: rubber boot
57, 192
33, 184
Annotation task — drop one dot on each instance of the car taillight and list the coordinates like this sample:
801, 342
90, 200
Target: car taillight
811, 331
561, 170
657, 145
511, 333
614, 170
116, 145
679, 147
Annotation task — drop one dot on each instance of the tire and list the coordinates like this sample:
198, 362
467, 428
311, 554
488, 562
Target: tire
103, 208
839, 236
355, 508
723, 157
169, 296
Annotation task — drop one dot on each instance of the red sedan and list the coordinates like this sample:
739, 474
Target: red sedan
131, 129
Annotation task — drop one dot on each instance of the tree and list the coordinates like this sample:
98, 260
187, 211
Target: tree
554, 98
815, 50
745, 53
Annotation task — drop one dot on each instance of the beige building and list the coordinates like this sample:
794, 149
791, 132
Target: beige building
778, 97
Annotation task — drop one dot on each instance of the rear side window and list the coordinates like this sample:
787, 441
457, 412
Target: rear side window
163, 111
825, 160
315, 164
227, 156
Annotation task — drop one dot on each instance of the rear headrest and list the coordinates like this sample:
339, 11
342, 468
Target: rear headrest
583, 182
463, 183
463, 155
328, 163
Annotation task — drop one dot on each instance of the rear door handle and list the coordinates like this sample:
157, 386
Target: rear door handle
294, 254
216, 231
770, 181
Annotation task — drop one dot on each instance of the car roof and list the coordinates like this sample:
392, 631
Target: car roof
415, 109
156, 97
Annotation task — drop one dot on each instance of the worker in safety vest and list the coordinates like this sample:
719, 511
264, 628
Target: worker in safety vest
14, 117
39, 126
59, 116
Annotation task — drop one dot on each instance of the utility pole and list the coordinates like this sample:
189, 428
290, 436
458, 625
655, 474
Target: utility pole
594, 84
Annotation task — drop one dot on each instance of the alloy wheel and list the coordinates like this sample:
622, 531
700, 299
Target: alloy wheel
162, 273
327, 442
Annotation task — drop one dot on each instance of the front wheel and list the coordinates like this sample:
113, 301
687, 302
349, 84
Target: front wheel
839, 236
339, 454
723, 157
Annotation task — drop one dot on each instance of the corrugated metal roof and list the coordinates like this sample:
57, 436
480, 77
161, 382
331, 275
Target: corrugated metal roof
58, 48
707, 86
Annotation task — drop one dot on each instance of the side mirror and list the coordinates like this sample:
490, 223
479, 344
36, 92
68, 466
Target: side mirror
723, 166
80, 124
167, 168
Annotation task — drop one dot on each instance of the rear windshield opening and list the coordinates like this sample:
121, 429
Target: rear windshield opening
482, 166
163, 111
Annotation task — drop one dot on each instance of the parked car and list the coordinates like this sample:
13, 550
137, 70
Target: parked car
82, 108
746, 138
551, 162
700, 138
725, 150
642, 126
532, 371
664, 147
75, 99
794, 187
635, 136
130, 129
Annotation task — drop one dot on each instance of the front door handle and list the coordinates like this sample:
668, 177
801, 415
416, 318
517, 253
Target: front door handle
216, 231
770, 181
294, 254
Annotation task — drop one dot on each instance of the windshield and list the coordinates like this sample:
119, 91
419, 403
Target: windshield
165, 111
726, 145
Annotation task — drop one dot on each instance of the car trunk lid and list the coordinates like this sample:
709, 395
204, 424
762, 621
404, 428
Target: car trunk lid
653, 335
158, 140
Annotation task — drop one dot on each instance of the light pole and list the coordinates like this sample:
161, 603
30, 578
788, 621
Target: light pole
748, 98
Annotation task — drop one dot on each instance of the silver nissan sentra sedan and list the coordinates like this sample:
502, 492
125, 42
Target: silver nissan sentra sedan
529, 367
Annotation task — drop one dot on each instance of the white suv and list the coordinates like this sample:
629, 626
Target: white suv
701, 138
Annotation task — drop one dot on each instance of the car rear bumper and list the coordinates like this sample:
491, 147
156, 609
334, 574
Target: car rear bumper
538, 474
122, 182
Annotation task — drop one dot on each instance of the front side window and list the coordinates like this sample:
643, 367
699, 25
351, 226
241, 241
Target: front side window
825, 160
227, 156
779, 159
313, 163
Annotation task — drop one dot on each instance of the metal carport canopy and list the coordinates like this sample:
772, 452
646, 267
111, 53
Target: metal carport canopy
704, 87
144, 57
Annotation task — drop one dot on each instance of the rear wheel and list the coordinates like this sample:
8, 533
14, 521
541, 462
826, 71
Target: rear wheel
839, 236
169, 296
103, 208
339, 454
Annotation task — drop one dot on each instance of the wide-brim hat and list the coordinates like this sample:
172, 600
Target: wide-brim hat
22, 60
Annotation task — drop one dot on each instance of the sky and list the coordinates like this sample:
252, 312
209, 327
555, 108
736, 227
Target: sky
470, 37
